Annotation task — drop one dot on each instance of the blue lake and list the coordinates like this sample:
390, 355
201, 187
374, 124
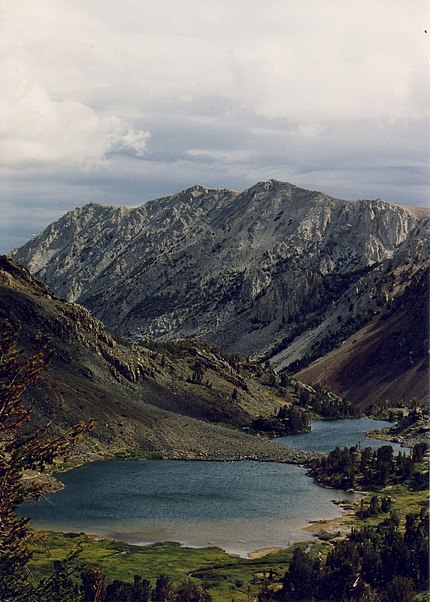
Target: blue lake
239, 506
328, 434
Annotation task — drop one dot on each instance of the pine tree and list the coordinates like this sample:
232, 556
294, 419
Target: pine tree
163, 591
198, 372
92, 587
190, 592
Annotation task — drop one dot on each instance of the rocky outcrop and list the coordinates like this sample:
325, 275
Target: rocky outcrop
275, 272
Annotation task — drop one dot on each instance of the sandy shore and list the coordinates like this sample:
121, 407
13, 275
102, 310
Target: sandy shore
263, 552
337, 527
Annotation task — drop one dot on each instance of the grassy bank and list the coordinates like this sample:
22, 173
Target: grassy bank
225, 576
222, 574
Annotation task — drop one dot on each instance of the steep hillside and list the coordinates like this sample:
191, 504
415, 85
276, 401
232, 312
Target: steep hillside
275, 272
388, 358
170, 400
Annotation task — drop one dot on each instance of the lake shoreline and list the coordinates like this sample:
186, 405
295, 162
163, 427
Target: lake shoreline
274, 450
296, 530
333, 528
314, 525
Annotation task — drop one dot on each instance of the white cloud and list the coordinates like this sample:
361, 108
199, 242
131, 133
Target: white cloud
314, 61
37, 129
44, 119
311, 129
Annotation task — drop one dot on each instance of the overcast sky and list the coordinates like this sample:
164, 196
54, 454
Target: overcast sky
124, 101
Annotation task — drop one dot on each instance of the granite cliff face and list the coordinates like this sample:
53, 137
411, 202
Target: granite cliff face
275, 272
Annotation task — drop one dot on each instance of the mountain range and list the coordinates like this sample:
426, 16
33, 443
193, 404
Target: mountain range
334, 290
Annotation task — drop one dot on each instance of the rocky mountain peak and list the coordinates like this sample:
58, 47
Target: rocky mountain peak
196, 190
275, 271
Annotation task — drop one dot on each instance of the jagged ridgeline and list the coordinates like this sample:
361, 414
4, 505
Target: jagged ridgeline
276, 273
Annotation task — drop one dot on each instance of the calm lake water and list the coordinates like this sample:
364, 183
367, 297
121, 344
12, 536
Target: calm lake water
328, 434
238, 506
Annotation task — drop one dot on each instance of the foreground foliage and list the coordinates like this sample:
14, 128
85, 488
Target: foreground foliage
384, 561
21, 450
222, 575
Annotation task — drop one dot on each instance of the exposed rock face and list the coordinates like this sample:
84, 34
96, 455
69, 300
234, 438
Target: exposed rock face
274, 272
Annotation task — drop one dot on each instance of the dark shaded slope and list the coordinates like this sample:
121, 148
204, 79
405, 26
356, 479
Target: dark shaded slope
136, 395
388, 358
